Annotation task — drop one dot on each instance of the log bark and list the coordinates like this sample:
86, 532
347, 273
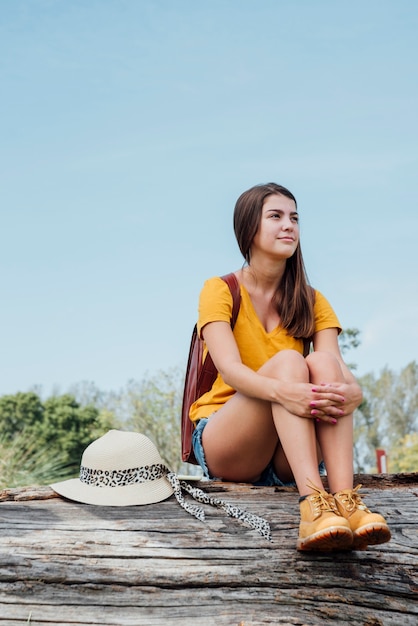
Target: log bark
65, 563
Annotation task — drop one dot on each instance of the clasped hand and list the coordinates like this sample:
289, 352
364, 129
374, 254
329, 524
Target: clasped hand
325, 402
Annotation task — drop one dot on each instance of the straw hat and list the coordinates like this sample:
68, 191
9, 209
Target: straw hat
119, 469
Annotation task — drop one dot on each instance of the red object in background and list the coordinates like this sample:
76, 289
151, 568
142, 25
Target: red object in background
381, 458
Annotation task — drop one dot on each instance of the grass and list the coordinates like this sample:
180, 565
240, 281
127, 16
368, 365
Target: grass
23, 463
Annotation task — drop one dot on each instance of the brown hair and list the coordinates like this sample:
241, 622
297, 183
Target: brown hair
294, 298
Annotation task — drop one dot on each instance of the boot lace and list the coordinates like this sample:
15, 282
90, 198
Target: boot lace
322, 501
352, 500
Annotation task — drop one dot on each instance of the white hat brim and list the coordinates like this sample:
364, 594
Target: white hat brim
129, 495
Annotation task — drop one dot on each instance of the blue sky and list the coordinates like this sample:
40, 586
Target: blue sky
130, 127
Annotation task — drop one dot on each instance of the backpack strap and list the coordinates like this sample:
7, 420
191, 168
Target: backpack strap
207, 371
233, 284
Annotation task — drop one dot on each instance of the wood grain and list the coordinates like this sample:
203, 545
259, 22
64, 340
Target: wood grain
64, 563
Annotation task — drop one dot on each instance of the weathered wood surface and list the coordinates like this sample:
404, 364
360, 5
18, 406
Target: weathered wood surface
65, 563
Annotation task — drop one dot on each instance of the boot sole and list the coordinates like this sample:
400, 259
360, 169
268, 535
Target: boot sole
333, 538
370, 535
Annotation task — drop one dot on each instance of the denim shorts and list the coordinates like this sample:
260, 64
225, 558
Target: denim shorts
268, 477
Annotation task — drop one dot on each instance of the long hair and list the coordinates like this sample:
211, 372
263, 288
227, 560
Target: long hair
294, 298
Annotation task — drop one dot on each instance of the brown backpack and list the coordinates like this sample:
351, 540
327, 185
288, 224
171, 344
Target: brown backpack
200, 375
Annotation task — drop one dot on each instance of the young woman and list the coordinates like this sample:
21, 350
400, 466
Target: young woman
272, 415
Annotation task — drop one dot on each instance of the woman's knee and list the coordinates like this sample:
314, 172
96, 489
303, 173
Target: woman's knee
324, 364
287, 363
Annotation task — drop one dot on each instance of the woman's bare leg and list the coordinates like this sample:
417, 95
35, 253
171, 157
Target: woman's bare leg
297, 435
242, 437
335, 440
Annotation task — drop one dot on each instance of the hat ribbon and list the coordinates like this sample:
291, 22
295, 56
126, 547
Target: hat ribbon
122, 478
253, 521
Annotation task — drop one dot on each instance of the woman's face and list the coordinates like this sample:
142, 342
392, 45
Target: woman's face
278, 232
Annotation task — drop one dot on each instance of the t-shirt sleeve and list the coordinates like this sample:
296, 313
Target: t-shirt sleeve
215, 303
325, 316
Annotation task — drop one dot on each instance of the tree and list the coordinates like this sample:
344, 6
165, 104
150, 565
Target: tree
153, 407
19, 411
368, 428
404, 455
348, 339
66, 428
58, 430
388, 414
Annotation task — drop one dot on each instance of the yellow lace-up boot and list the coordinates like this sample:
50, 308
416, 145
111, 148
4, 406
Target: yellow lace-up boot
321, 525
368, 528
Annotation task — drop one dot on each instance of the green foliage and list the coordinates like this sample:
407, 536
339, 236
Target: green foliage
23, 462
87, 394
404, 455
54, 433
66, 427
348, 339
368, 430
388, 414
106, 420
18, 412
153, 407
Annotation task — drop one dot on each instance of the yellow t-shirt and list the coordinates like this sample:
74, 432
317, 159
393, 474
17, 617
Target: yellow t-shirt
255, 344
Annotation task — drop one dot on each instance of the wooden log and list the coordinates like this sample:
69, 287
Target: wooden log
376, 481
33, 492
65, 563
